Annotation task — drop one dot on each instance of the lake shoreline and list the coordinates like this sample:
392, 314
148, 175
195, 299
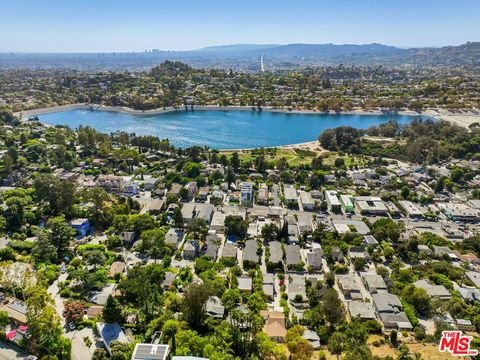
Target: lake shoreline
463, 119
96, 107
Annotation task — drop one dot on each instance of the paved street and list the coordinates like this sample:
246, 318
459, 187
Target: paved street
9, 352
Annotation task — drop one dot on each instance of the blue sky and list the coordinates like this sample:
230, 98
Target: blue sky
126, 25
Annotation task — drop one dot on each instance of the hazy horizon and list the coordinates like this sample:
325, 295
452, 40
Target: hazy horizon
220, 45
89, 26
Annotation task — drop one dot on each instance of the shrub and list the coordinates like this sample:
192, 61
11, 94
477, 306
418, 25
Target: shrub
410, 312
298, 298
87, 341
87, 323
22, 246
7, 254
372, 326
419, 332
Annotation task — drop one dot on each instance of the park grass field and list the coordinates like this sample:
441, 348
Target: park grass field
294, 156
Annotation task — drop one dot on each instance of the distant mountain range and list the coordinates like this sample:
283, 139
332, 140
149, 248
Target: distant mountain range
301, 50
246, 57
367, 54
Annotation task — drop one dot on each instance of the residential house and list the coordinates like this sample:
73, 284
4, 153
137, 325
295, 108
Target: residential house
173, 237
246, 192
229, 253
369, 240
202, 194
150, 352
290, 195
337, 255
349, 287
156, 206
100, 297
293, 258
362, 310
370, 205
190, 250
312, 337
314, 260
411, 210
329, 179
469, 294
437, 291
459, 212
218, 222
390, 311
111, 183
274, 325
444, 252
175, 190
333, 202
374, 283
117, 267
244, 283
276, 253
250, 255
235, 211
358, 252
81, 226
468, 257
129, 237
191, 189
346, 202
424, 250
297, 293
168, 280
111, 332
217, 194
149, 184
16, 310
214, 308
94, 311
171, 208
308, 203
292, 230
262, 195
210, 248
269, 286
130, 188
192, 211
343, 226
304, 223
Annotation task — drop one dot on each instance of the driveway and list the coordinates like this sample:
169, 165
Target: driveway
54, 291
276, 195
80, 350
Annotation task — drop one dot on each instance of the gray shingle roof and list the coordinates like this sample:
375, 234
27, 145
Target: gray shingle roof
250, 251
229, 251
276, 252
292, 254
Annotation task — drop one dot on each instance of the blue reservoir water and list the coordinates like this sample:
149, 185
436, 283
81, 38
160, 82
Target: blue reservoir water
219, 129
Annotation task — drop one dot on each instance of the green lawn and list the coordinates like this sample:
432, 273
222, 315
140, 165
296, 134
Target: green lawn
294, 157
